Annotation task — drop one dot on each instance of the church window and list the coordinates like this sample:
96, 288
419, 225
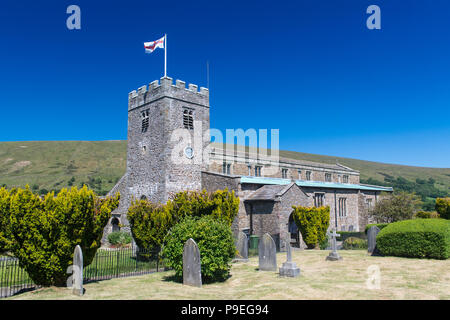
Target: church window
257, 171
226, 168
284, 173
249, 170
369, 203
188, 119
145, 120
308, 175
319, 199
342, 207
345, 178
328, 177
299, 174
144, 149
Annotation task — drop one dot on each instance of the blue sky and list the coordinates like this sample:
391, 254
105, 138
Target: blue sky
311, 69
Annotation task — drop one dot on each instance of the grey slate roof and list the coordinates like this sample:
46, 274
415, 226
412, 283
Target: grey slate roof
269, 192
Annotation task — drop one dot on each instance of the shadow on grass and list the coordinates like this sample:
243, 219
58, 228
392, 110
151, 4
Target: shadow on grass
178, 279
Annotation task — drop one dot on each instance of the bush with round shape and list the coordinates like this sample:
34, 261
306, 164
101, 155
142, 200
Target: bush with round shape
417, 238
43, 233
312, 223
215, 242
353, 243
119, 238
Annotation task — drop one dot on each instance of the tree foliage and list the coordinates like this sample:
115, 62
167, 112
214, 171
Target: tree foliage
312, 223
43, 233
150, 222
395, 207
443, 207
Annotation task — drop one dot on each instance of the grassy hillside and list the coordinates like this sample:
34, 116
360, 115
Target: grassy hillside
51, 165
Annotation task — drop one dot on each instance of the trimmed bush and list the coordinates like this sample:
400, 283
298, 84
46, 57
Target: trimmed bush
426, 215
353, 243
43, 233
215, 242
119, 238
418, 238
379, 225
150, 222
312, 223
443, 207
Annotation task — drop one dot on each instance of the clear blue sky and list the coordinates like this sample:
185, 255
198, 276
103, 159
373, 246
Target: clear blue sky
309, 68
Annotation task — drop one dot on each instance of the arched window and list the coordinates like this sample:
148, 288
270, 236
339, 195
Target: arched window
188, 119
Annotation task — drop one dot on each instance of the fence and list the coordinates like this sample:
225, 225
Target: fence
107, 264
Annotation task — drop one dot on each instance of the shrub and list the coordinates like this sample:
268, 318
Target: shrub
353, 243
214, 239
379, 225
443, 207
150, 222
312, 223
418, 238
43, 233
119, 238
396, 207
347, 234
426, 215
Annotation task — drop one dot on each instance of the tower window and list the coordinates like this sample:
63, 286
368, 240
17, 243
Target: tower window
188, 119
328, 177
284, 173
145, 120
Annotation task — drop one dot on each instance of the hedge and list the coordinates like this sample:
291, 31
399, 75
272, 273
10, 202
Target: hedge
417, 238
312, 223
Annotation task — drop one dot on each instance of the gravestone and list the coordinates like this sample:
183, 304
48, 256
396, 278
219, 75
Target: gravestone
77, 269
289, 268
267, 253
242, 247
372, 240
334, 255
192, 268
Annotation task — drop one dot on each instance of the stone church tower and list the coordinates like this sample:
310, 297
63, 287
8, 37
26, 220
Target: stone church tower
166, 137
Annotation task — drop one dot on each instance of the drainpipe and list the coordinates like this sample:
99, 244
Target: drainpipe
335, 210
251, 218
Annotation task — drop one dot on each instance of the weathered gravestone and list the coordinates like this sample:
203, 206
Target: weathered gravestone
289, 268
372, 241
267, 253
334, 255
192, 268
242, 247
77, 272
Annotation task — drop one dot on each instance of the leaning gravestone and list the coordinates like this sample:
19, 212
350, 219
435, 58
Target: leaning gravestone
334, 255
372, 240
267, 253
192, 268
77, 269
242, 247
289, 268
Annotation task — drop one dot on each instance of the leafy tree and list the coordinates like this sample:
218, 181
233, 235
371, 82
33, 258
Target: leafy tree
43, 233
395, 207
312, 223
443, 207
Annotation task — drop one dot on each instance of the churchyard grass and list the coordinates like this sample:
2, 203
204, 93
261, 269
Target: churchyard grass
401, 278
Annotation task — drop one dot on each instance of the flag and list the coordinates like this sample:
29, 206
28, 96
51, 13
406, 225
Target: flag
151, 46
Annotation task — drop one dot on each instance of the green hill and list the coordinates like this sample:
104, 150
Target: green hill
52, 165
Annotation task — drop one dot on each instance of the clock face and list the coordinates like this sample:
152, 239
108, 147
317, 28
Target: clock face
189, 152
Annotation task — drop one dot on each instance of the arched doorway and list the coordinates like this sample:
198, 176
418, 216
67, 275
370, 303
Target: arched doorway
294, 233
115, 224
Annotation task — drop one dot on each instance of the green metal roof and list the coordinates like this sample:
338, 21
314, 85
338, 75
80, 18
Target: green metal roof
312, 184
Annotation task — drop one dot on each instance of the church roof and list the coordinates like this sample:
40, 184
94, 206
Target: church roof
269, 192
312, 184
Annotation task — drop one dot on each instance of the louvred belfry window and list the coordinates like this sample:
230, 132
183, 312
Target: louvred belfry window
188, 119
145, 121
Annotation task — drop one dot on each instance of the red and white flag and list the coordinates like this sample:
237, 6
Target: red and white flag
151, 46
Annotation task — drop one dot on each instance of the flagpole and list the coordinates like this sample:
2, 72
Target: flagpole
165, 55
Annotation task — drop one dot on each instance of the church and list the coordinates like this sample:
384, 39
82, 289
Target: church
162, 112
